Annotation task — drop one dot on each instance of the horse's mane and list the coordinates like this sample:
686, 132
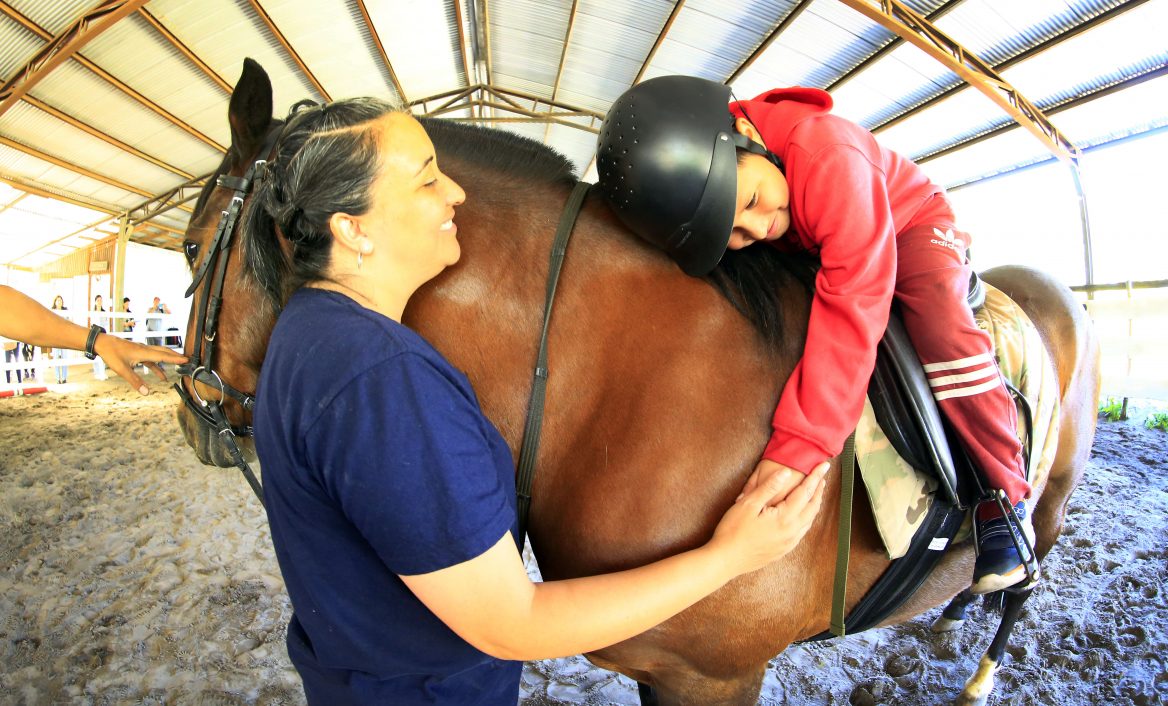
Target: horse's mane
504, 152
749, 279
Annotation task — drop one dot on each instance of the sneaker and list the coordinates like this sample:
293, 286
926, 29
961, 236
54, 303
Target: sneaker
998, 563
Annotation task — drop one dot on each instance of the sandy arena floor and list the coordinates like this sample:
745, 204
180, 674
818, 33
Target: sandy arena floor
130, 573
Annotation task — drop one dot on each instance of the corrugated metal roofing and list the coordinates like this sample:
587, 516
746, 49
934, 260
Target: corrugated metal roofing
429, 45
18, 47
54, 16
1069, 69
81, 93
168, 80
32, 127
29, 222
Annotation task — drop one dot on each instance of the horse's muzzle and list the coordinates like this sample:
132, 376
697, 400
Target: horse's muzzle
206, 442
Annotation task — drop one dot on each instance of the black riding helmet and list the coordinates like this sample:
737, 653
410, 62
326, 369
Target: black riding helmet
667, 165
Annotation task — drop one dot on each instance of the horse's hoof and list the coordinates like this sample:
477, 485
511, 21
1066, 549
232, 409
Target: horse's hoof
944, 624
979, 687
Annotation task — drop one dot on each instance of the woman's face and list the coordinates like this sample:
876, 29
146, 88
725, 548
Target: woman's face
762, 211
97, 302
411, 217
58, 302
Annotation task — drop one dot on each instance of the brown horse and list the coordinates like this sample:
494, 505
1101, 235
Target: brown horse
659, 400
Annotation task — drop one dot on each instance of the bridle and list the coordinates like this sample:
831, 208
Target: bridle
201, 367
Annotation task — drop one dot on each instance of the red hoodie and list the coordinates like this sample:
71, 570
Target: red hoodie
849, 199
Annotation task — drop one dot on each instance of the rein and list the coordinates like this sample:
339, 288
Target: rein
529, 449
201, 367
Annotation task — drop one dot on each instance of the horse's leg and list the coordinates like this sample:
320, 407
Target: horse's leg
954, 614
981, 684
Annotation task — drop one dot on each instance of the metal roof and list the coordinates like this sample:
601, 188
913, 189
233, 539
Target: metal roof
135, 116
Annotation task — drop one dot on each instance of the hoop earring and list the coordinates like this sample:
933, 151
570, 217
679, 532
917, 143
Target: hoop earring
358, 259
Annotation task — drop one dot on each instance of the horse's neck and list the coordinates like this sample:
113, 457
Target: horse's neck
485, 312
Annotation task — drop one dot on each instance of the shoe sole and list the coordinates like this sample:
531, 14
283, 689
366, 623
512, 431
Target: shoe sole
998, 582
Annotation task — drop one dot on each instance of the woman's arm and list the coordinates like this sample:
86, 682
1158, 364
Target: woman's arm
23, 319
490, 602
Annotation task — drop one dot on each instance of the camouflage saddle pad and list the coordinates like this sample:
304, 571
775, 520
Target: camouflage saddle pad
901, 496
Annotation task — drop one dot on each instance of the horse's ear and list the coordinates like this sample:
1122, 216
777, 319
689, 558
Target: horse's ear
250, 110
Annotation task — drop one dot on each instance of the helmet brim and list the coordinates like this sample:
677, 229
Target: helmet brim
699, 244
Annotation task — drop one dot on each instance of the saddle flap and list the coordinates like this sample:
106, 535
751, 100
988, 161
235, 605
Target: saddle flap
906, 411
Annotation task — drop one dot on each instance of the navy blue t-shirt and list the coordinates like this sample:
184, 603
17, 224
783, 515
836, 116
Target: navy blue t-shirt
377, 462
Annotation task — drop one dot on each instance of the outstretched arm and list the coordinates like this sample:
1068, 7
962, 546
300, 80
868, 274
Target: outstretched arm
23, 319
490, 602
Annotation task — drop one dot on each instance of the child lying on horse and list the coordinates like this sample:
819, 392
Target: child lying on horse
696, 177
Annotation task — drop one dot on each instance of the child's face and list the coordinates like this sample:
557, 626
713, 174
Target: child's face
762, 210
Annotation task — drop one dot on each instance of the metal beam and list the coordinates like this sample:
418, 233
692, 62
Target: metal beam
660, 38
401, 94
462, 42
174, 198
89, 26
143, 100
487, 40
13, 202
1029, 53
108, 139
279, 36
533, 117
887, 48
898, 18
140, 227
91, 226
33, 152
461, 95
45, 193
528, 115
184, 50
564, 51
501, 92
782, 26
563, 60
1055, 110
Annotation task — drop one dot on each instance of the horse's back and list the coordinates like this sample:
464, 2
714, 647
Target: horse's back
1066, 330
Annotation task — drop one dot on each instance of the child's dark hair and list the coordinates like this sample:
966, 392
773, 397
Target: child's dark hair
325, 162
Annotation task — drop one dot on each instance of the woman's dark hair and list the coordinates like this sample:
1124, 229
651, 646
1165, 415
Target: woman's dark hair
324, 162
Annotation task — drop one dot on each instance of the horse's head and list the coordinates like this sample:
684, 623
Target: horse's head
231, 317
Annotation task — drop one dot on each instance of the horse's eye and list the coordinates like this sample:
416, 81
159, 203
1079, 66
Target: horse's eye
191, 250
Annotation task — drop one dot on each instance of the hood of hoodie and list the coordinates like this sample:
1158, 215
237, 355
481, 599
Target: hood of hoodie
776, 112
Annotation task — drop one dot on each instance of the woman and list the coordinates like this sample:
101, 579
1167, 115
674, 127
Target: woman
696, 177
391, 498
59, 353
102, 323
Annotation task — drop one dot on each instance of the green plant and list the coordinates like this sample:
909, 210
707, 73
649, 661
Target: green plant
1157, 420
1112, 409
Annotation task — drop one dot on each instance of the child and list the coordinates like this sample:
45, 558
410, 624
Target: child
696, 177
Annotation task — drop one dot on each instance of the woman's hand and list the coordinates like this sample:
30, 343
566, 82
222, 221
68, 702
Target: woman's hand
121, 356
768, 520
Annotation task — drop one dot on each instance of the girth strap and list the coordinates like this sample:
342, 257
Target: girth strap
844, 541
529, 449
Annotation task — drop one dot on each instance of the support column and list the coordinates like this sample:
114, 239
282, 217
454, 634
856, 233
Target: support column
1088, 260
119, 266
